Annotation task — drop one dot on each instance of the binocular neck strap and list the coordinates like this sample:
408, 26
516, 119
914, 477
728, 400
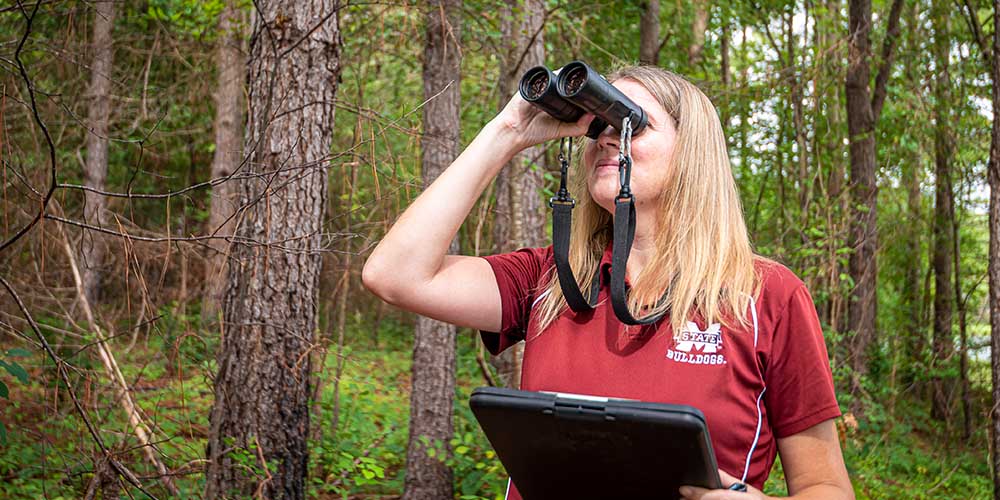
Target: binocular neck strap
624, 233
562, 219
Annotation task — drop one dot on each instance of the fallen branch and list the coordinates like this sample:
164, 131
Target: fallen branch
114, 373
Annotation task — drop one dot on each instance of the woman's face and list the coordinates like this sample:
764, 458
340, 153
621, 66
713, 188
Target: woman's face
651, 151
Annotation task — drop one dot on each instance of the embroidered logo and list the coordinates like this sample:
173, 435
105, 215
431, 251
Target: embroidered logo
698, 347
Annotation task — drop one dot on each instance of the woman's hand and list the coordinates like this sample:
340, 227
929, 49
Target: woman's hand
530, 125
696, 493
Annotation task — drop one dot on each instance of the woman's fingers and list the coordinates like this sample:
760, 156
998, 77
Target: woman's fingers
696, 493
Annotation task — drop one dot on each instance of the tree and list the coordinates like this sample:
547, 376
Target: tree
433, 389
95, 172
228, 145
649, 33
863, 110
520, 218
943, 344
260, 418
993, 175
698, 27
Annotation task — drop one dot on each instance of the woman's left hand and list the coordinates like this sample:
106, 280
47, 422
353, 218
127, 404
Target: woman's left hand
696, 493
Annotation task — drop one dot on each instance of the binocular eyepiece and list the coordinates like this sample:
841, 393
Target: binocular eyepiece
578, 89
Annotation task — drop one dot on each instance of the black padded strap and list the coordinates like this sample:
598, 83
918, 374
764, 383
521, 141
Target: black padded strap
624, 233
562, 219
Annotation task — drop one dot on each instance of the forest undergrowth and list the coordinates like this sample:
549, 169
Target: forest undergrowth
358, 448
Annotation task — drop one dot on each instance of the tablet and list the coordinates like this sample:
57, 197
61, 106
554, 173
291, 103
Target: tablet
585, 447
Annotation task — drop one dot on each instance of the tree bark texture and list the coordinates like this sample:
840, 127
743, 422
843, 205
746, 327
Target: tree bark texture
231, 65
93, 245
698, 28
260, 418
864, 192
433, 389
649, 33
521, 216
943, 343
993, 176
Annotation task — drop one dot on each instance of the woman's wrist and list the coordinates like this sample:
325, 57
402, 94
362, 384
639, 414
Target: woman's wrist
503, 136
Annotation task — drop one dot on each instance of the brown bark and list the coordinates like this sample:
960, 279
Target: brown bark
649, 33
862, 114
963, 335
861, 130
231, 66
942, 342
993, 176
94, 245
260, 418
431, 397
799, 123
518, 187
913, 337
725, 45
698, 28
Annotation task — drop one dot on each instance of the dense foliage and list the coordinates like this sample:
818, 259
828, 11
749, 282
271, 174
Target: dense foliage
781, 97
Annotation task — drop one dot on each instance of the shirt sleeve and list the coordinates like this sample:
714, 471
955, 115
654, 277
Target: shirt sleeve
799, 383
518, 276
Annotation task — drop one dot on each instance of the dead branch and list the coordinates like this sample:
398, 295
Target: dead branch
114, 373
64, 375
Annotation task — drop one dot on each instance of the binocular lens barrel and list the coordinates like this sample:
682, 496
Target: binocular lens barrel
538, 86
580, 84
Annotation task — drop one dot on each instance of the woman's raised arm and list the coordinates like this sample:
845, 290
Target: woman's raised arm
410, 267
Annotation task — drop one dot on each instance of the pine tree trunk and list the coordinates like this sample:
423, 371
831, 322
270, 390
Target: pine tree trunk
649, 33
943, 344
993, 176
231, 66
432, 394
94, 245
698, 28
863, 234
260, 418
519, 184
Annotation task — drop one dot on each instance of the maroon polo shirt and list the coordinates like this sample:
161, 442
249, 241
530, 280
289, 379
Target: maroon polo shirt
755, 384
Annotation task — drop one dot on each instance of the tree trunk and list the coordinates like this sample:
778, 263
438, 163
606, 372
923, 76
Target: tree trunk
260, 418
942, 341
519, 184
861, 132
993, 175
799, 122
649, 34
231, 66
698, 28
431, 398
94, 245
963, 335
914, 342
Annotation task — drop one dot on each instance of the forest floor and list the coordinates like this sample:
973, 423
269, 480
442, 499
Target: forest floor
361, 452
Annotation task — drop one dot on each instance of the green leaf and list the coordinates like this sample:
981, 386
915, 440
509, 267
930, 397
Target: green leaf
4, 393
17, 371
3, 434
18, 352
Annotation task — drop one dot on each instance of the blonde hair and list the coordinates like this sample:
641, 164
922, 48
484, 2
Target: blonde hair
703, 256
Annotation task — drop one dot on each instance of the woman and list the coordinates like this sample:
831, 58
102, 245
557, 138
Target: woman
746, 349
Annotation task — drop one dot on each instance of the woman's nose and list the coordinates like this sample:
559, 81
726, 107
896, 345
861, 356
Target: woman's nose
609, 138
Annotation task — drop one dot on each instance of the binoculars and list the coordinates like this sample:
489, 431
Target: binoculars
578, 89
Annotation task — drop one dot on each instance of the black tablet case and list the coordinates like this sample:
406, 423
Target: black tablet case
559, 446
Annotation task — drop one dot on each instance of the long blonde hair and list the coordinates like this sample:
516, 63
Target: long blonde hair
703, 256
